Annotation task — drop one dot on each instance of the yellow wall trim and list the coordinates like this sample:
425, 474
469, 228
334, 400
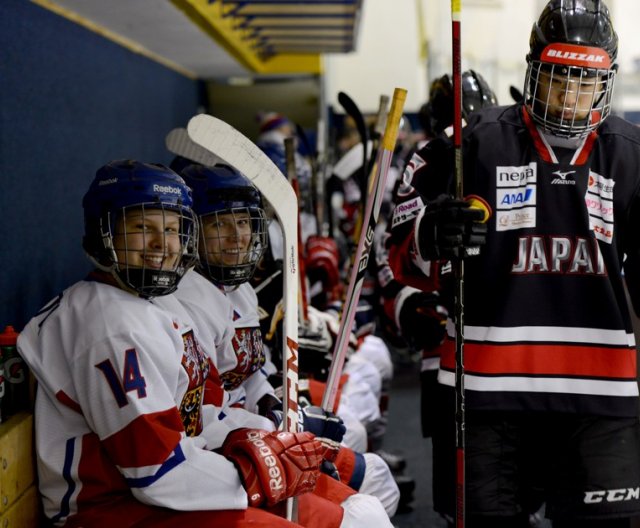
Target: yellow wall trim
238, 43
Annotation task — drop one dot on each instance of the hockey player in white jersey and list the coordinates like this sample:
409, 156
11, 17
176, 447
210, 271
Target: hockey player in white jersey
233, 238
122, 438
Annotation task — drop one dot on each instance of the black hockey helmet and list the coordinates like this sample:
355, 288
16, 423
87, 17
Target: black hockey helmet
572, 40
437, 113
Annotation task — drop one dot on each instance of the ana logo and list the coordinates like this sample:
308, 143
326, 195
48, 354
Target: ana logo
517, 197
562, 178
166, 189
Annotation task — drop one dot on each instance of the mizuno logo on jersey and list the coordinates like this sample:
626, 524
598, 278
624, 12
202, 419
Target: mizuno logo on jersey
613, 495
562, 178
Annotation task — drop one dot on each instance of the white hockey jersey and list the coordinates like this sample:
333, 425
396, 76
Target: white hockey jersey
119, 407
213, 316
253, 358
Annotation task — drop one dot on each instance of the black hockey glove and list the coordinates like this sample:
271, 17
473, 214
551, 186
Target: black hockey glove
450, 228
422, 320
271, 407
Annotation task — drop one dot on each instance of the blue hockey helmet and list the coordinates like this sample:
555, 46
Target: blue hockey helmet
121, 204
233, 224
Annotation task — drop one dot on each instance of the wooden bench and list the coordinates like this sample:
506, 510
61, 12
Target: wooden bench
19, 499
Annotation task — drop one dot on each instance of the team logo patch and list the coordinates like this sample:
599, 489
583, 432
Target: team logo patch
248, 346
516, 194
196, 364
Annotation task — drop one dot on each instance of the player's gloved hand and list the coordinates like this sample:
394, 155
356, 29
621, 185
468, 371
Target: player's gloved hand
271, 407
323, 264
448, 228
329, 468
274, 466
327, 427
332, 316
313, 334
421, 318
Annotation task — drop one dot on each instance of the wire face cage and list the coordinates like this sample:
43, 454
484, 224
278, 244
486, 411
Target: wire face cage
568, 101
232, 241
151, 245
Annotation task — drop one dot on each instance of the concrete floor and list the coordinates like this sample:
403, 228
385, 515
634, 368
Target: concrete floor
404, 437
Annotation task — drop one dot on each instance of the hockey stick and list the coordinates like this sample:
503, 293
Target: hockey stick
292, 176
225, 142
316, 199
352, 110
372, 210
179, 143
378, 131
458, 266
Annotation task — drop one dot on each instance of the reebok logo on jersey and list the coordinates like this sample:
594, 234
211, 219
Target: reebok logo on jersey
516, 193
613, 495
168, 189
562, 178
275, 482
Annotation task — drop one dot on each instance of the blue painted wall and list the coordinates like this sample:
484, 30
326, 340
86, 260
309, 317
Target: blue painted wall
70, 101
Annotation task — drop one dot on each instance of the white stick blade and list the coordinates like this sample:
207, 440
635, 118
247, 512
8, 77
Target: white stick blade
179, 143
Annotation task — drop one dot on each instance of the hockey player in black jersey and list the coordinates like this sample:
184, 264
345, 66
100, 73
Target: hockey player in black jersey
550, 358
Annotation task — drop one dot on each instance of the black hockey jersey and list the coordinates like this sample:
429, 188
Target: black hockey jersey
546, 320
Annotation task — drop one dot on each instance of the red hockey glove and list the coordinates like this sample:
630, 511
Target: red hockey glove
449, 228
323, 264
274, 466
